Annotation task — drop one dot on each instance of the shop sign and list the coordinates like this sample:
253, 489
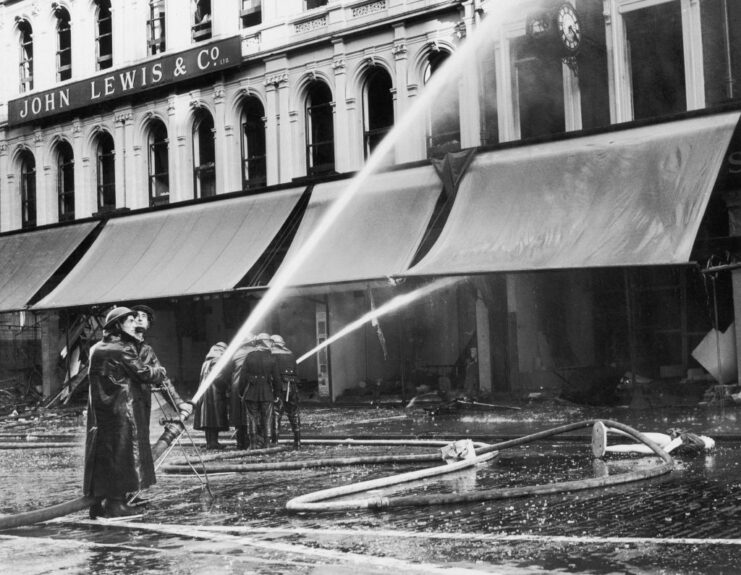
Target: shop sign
127, 81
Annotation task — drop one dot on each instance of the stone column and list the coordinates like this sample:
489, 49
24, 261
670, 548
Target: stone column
342, 125
224, 181
733, 202
272, 135
123, 158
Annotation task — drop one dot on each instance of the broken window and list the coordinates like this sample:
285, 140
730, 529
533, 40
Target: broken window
204, 155
254, 171
25, 67
64, 45
201, 20
28, 189
104, 35
378, 108
538, 89
444, 130
159, 176
65, 181
315, 4
656, 60
319, 129
106, 173
721, 50
251, 13
156, 25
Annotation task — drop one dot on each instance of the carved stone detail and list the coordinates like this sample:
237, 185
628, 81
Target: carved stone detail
370, 8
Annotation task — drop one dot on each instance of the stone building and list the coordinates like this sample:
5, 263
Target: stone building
571, 169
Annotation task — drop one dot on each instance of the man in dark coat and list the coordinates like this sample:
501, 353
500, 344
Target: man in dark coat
118, 456
259, 386
211, 411
144, 319
288, 403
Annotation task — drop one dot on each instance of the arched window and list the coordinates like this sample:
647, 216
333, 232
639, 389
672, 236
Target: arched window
104, 35
254, 172
159, 176
25, 65
201, 28
156, 27
64, 45
28, 189
319, 129
378, 108
106, 175
444, 129
204, 155
65, 181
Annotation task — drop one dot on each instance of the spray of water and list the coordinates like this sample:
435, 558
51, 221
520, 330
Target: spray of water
396, 303
448, 72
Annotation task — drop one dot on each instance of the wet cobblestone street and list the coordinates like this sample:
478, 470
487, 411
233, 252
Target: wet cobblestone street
684, 522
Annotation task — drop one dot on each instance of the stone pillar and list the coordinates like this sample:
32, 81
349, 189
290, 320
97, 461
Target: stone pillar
403, 153
343, 146
483, 344
123, 158
50, 337
285, 120
224, 182
272, 135
83, 190
733, 202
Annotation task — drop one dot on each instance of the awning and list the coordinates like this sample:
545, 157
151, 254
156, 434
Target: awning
377, 233
29, 259
195, 249
621, 198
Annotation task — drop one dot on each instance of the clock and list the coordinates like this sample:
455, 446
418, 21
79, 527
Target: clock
555, 30
569, 28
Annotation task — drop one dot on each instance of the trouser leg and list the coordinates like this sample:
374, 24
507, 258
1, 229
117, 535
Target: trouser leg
252, 411
294, 418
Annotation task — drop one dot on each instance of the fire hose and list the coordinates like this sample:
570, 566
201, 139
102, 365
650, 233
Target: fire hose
318, 501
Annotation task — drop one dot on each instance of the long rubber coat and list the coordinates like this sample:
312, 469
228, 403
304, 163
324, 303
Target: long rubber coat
211, 410
118, 456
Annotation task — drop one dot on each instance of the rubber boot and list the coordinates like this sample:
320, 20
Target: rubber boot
296, 428
242, 437
212, 439
97, 510
117, 508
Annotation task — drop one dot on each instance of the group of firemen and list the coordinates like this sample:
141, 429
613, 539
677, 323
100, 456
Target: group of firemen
251, 393
253, 390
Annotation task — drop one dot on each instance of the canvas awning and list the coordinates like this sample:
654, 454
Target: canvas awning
195, 249
621, 198
29, 259
376, 234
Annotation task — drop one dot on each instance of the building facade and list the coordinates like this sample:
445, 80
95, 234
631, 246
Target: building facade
127, 115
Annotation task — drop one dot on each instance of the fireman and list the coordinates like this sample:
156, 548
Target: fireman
288, 400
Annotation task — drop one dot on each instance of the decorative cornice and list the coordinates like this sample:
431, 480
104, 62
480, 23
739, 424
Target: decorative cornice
276, 79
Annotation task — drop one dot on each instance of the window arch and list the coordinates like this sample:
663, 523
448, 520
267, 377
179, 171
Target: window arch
319, 129
444, 130
65, 181
254, 168
204, 155
378, 108
159, 175
106, 172
64, 44
104, 35
28, 189
25, 62
156, 27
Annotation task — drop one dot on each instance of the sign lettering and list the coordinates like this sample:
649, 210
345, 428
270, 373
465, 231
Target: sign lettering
106, 87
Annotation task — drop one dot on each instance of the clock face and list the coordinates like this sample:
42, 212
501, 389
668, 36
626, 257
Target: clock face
569, 29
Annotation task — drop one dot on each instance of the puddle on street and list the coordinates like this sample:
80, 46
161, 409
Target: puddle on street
699, 499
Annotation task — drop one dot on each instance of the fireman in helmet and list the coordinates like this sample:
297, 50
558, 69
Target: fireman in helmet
288, 400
